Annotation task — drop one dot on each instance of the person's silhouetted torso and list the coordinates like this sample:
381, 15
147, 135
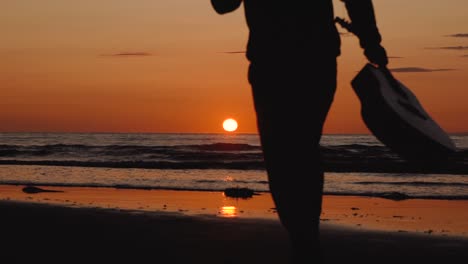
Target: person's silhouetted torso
280, 29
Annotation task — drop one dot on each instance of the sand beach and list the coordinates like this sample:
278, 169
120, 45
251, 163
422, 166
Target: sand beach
108, 225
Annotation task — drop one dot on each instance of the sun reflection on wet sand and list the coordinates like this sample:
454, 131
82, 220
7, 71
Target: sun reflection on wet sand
228, 211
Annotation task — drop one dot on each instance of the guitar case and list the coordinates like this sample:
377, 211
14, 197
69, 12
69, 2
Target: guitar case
394, 115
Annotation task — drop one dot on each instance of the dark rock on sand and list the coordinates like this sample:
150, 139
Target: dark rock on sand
239, 192
396, 196
33, 189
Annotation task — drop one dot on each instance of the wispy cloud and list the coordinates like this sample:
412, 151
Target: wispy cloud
451, 48
233, 52
129, 54
418, 70
395, 57
465, 56
346, 34
458, 35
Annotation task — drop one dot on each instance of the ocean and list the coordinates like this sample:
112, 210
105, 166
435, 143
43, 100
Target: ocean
355, 164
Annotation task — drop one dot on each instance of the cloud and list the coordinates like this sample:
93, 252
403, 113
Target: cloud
417, 69
395, 57
129, 54
458, 35
465, 56
233, 52
346, 34
451, 48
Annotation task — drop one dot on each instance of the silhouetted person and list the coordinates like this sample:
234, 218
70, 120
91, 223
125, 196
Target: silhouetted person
292, 49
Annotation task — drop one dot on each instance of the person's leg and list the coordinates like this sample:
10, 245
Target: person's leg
291, 107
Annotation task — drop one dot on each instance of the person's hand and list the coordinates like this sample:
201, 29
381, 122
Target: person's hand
376, 54
225, 6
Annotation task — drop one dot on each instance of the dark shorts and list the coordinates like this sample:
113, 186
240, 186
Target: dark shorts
292, 98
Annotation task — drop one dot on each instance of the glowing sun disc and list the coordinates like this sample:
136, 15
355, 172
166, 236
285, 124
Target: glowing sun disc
230, 125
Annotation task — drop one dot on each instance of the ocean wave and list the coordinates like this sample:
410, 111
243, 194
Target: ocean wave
119, 150
415, 183
249, 165
354, 165
399, 196
234, 181
223, 147
218, 155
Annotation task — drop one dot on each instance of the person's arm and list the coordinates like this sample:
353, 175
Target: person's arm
361, 13
225, 6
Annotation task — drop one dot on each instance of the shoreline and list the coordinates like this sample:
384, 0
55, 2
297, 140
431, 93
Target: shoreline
423, 216
431, 186
344, 164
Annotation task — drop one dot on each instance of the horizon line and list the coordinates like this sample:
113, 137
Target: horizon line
187, 133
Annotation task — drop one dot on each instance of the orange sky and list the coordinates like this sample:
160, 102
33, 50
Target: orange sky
162, 66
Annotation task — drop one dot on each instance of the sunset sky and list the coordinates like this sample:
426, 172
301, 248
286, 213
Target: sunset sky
177, 66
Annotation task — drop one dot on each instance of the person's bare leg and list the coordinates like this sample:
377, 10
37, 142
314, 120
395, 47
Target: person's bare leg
290, 124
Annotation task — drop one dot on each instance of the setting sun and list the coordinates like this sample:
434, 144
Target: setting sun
230, 125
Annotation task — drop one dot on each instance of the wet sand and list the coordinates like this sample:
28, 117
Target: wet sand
108, 225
